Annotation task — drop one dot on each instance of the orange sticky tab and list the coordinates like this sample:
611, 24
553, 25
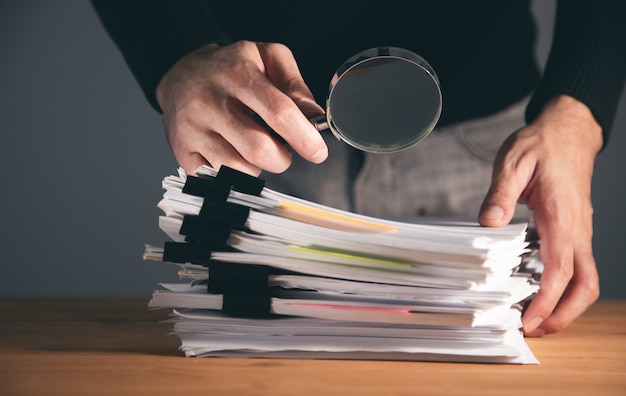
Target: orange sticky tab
332, 220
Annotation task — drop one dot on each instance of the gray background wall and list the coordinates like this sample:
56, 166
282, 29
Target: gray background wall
82, 156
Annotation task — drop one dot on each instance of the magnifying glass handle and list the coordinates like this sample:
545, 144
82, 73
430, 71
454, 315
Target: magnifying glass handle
320, 123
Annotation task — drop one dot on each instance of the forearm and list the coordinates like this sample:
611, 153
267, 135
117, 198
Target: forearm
587, 60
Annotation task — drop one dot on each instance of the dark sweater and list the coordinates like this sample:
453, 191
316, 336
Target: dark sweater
482, 50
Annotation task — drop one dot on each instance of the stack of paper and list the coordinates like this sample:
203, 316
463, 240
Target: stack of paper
270, 275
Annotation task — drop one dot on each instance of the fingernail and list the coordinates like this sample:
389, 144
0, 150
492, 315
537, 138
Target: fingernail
310, 106
532, 324
495, 213
320, 155
538, 332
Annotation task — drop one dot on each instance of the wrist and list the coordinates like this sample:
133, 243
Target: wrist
567, 111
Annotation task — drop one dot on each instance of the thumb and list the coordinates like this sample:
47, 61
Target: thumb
498, 207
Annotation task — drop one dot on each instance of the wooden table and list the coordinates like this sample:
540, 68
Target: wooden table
117, 347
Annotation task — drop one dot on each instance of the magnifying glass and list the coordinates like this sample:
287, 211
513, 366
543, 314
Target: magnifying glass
382, 100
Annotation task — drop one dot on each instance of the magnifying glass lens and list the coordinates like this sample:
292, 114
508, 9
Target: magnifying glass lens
384, 103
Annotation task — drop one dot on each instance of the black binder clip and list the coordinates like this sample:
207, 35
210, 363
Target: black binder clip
199, 230
229, 213
244, 288
240, 181
206, 188
182, 252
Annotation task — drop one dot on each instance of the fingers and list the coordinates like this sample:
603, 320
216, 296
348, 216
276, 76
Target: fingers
288, 121
282, 70
284, 101
243, 144
582, 291
213, 146
557, 255
511, 174
569, 284
208, 99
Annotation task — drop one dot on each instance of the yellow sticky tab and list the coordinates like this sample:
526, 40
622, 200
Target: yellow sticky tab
347, 255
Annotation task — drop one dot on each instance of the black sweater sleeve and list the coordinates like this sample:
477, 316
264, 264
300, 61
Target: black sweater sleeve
587, 60
153, 35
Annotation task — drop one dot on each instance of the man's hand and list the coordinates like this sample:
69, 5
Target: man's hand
549, 166
209, 96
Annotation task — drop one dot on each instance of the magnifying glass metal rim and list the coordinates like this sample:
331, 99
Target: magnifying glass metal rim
325, 121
